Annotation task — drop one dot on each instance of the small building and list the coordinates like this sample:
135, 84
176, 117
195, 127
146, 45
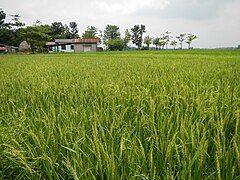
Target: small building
8, 49
24, 47
73, 45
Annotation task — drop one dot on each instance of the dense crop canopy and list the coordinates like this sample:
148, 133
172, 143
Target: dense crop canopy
138, 115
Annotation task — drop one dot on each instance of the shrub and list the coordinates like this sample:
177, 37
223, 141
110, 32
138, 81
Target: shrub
115, 45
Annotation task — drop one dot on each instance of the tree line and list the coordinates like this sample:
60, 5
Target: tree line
15, 31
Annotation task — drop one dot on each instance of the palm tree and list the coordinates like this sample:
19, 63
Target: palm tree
181, 38
190, 38
148, 41
174, 44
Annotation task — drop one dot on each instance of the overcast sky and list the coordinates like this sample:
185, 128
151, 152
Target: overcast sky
215, 22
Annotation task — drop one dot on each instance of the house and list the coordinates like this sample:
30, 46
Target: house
73, 45
7, 49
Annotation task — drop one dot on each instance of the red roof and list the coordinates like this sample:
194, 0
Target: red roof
86, 40
3, 48
73, 41
50, 43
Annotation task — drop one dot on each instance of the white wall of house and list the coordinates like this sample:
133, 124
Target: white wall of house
66, 48
74, 48
63, 48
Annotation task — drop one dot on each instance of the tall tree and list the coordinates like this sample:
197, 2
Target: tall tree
15, 22
9, 37
148, 41
2, 18
127, 38
162, 41
190, 39
57, 30
112, 38
37, 36
181, 38
91, 32
156, 42
167, 38
137, 35
9, 32
66, 32
73, 29
174, 44
111, 32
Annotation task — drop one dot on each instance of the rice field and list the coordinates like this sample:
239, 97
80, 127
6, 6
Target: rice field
123, 115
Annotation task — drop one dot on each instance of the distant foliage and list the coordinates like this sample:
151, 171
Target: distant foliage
112, 38
190, 39
181, 38
91, 32
73, 30
37, 36
57, 30
174, 44
148, 41
60, 31
115, 45
127, 38
15, 22
2, 17
111, 32
137, 35
156, 42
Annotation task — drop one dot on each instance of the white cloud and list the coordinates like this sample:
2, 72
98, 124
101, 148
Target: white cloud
127, 7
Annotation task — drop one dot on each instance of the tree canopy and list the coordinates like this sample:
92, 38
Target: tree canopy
37, 36
112, 38
181, 38
111, 32
73, 30
190, 39
148, 41
2, 17
137, 35
91, 32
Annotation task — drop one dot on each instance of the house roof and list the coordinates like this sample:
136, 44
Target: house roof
7, 46
3, 45
50, 43
86, 40
73, 41
64, 40
3, 48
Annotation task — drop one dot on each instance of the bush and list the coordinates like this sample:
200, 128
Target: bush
115, 45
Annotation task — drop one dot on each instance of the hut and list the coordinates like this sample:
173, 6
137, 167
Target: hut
24, 47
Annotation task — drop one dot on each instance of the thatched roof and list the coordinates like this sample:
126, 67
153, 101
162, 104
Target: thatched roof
24, 47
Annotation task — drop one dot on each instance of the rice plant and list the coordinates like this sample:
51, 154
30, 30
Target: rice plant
134, 115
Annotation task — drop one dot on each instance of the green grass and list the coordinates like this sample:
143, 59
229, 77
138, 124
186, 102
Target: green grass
137, 115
